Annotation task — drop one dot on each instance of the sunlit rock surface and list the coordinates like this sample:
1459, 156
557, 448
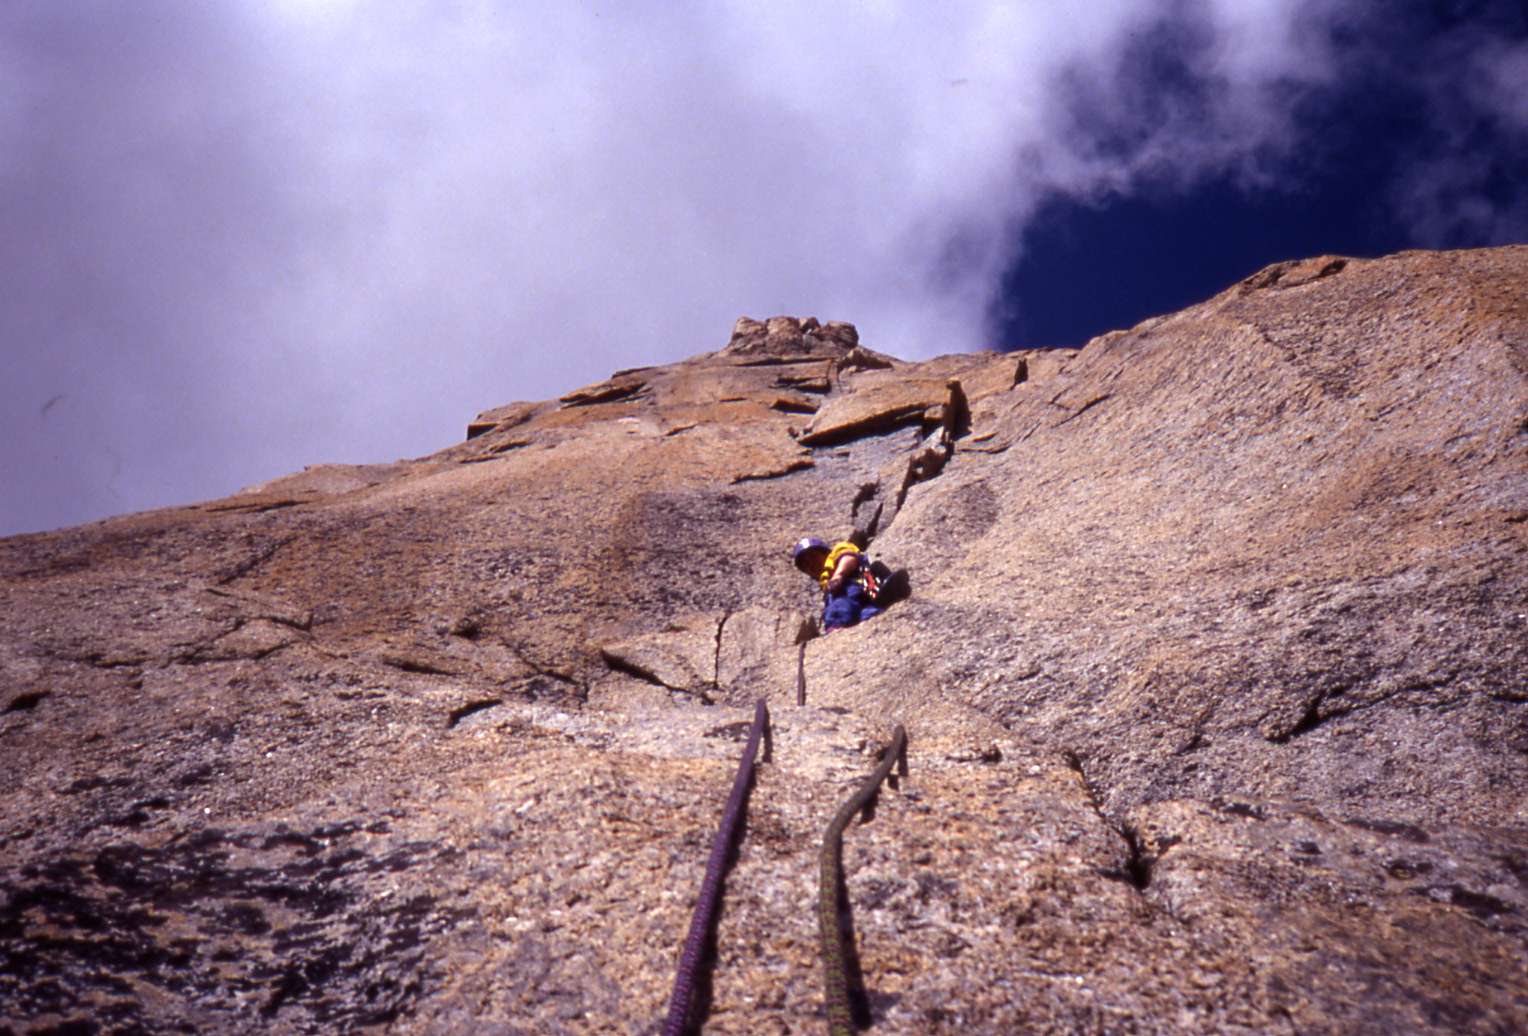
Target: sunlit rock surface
1213, 673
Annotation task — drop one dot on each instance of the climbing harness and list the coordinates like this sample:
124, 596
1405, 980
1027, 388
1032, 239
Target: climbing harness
871, 579
835, 947
872, 575
704, 918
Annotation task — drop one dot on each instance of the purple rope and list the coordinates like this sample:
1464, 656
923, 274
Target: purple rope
711, 886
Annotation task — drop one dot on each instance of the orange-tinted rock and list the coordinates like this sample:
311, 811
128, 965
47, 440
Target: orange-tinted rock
879, 400
1212, 671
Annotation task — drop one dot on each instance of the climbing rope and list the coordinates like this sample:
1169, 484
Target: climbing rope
711, 886
835, 950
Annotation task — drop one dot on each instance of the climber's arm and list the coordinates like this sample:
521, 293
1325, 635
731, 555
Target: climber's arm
844, 570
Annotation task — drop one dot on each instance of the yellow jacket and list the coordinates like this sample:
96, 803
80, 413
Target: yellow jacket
834, 557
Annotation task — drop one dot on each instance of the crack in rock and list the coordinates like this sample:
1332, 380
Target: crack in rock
1089, 405
471, 708
615, 390
546, 672
629, 668
414, 665
788, 468
26, 701
262, 554
1316, 713
865, 513
1136, 871
716, 664
270, 611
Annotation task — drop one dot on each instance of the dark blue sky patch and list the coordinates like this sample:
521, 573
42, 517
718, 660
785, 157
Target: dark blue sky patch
1090, 265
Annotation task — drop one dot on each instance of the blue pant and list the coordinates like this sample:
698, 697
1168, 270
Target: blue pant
846, 607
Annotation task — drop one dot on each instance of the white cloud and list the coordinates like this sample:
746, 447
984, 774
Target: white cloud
252, 237
1463, 186
1505, 83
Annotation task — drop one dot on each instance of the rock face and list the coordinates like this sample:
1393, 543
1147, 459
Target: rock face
1213, 673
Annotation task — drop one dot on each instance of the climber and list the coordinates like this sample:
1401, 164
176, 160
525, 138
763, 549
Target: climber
842, 572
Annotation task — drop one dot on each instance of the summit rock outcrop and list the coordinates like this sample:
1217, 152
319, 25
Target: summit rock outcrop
1213, 673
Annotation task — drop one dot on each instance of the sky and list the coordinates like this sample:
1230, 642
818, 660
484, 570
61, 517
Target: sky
238, 238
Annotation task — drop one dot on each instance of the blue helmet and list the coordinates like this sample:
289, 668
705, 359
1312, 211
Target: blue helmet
805, 544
